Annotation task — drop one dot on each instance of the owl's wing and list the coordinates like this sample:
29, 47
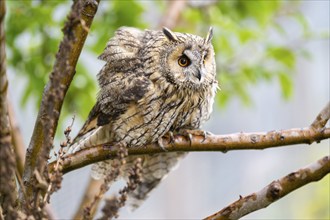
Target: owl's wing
120, 91
91, 122
120, 85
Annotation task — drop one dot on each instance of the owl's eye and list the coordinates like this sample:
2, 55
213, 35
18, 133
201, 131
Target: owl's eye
184, 61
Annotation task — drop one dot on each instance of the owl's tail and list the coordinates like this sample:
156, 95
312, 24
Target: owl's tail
154, 169
92, 138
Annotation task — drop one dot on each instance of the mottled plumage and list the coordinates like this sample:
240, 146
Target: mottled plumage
153, 82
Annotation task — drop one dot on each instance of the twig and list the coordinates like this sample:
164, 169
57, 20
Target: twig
322, 118
274, 191
224, 143
90, 192
113, 205
112, 175
8, 189
56, 175
63, 71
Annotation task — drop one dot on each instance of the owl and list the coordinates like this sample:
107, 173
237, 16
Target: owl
153, 83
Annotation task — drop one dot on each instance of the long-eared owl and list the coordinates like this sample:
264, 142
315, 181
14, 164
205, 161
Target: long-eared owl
153, 82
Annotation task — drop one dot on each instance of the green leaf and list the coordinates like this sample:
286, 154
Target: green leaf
223, 98
286, 84
283, 55
262, 11
303, 22
246, 35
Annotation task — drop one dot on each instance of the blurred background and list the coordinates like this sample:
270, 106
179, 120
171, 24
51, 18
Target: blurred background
273, 69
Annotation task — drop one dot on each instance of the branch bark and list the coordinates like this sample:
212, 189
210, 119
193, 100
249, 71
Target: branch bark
274, 191
8, 189
172, 14
223, 143
322, 118
92, 189
75, 33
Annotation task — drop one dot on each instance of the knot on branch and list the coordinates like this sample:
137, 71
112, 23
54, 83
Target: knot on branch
274, 191
90, 8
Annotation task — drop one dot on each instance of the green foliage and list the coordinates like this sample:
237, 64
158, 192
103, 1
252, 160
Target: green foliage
33, 36
249, 39
31, 44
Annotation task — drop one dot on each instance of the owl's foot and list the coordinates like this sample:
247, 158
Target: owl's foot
189, 133
161, 144
170, 135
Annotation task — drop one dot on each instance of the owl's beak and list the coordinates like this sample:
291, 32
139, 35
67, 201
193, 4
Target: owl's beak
200, 73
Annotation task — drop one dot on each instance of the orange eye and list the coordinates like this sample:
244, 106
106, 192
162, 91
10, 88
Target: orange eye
184, 61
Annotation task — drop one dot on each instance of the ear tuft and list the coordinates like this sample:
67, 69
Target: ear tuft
209, 36
169, 34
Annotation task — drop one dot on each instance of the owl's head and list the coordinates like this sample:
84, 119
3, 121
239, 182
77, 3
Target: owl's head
188, 60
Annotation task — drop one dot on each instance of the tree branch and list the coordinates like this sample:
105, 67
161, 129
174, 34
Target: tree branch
92, 189
224, 143
172, 13
8, 189
274, 191
322, 118
75, 33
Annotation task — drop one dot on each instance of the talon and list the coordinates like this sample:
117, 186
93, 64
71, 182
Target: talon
170, 136
161, 144
209, 133
190, 138
204, 136
172, 140
189, 133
